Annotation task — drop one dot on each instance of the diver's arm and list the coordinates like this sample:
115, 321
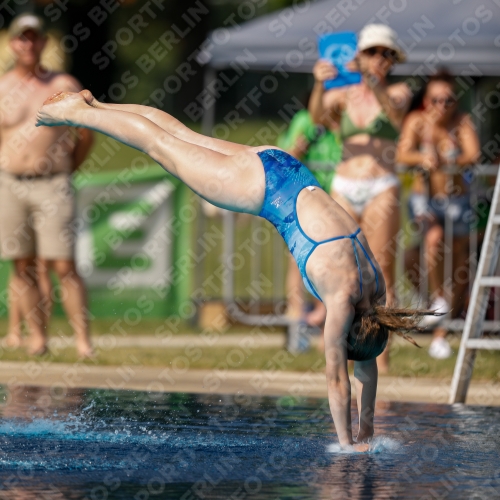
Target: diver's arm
365, 380
340, 314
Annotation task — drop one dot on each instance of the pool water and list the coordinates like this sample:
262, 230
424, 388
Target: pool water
95, 444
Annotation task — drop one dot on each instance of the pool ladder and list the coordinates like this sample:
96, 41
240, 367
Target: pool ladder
474, 322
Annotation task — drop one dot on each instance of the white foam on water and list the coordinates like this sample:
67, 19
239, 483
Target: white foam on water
380, 444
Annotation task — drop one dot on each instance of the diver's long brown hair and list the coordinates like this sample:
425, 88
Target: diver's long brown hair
370, 331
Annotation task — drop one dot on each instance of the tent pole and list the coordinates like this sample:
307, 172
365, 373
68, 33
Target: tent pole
207, 123
208, 119
228, 218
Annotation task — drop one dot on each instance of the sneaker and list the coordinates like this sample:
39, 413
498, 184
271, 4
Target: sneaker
440, 348
438, 305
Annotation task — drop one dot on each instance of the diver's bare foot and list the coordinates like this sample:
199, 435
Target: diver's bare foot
12, 341
58, 96
317, 316
58, 109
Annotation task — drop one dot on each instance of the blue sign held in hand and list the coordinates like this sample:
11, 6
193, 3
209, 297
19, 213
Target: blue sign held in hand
339, 49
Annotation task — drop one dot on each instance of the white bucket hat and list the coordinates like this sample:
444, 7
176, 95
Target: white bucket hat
373, 35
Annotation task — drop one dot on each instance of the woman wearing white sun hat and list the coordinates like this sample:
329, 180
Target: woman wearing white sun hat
370, 115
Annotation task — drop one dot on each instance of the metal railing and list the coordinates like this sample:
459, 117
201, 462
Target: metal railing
479, 192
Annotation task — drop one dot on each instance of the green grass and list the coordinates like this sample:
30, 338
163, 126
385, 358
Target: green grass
405, 360
409, 361
234, 358
59, 326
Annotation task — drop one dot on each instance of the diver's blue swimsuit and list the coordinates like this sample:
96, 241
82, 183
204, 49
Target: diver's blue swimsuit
286, 177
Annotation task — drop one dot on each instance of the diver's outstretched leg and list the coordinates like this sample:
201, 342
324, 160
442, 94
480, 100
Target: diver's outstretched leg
171, 125
234, 182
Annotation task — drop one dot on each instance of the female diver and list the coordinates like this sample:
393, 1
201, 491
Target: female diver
332, 254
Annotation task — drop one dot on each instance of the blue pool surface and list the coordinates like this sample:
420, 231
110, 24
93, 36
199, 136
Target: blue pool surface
96, 444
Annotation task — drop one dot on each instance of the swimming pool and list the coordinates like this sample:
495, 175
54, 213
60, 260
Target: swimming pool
96, 444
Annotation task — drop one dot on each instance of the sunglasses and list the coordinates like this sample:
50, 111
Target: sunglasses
447, 101
385, 53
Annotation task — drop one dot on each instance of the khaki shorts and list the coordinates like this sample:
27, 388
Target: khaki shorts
36, 217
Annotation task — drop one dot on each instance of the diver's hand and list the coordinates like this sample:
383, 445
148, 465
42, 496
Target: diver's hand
365, 435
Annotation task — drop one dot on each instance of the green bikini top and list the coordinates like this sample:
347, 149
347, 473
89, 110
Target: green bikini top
380, 126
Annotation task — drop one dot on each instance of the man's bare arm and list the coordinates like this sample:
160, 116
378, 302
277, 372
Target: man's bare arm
85, 137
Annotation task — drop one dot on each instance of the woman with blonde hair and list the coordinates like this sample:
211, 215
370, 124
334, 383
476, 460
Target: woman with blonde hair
333, 255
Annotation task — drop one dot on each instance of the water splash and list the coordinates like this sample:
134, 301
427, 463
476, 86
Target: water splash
78, 431
123, 432
380, 444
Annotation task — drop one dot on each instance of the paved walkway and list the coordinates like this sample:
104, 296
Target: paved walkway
60, 376
198, 340
172, 341
251, 382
